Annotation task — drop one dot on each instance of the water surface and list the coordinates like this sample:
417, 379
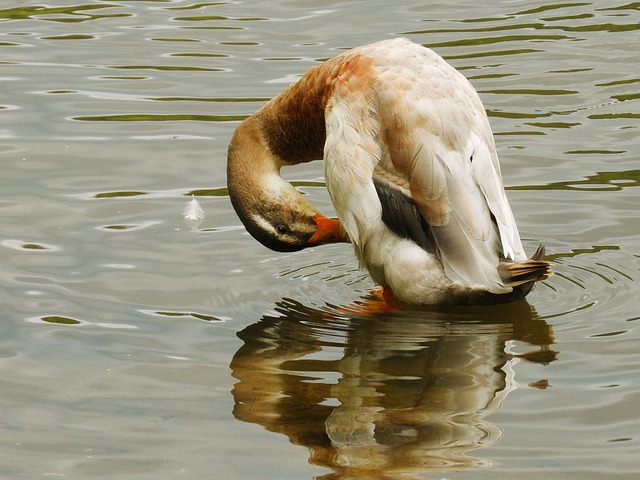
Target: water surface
133, 347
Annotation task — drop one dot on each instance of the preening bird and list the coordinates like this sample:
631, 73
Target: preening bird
411, 168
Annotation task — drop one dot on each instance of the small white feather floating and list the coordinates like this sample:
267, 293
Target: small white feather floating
193, 214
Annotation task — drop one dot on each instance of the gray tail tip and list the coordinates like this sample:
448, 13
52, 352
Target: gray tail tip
534, 269
537, 259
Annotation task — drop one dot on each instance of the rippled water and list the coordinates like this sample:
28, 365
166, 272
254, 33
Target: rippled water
133, 347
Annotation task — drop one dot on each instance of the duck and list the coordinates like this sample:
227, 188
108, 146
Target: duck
411, 168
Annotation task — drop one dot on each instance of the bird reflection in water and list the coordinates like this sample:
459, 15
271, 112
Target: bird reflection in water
383, 395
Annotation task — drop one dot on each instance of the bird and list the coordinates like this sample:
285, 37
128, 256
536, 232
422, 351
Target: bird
411, 168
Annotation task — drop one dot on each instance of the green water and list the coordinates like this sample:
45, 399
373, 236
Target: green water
132, 347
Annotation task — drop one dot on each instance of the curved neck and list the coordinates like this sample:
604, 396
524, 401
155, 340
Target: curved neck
293, 123
287, 130
253, 172
291, 127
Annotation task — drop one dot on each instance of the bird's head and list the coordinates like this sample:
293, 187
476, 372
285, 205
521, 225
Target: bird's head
271, 209
286, 222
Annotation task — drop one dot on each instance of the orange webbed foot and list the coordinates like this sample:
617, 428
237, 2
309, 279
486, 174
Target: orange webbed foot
381, 301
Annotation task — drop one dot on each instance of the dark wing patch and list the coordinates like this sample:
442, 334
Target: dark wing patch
401, 215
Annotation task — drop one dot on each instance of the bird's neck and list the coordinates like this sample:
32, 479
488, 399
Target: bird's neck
293, 124
253, 172
289, 129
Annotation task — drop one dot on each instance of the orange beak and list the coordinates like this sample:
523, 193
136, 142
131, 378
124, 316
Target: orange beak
329, 231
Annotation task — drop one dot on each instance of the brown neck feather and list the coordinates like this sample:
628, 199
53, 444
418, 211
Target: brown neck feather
288, 130
293, 123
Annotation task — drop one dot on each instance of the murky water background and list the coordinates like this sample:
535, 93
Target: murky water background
132, 347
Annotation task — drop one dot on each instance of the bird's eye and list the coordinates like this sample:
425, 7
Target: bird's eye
281, 229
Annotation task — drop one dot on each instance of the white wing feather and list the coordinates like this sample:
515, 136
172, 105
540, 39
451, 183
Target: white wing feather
486, 172
350, 156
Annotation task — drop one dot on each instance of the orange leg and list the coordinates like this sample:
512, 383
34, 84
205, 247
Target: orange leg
382, 301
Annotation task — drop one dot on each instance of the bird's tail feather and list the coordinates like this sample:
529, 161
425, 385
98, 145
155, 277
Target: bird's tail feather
534, 269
